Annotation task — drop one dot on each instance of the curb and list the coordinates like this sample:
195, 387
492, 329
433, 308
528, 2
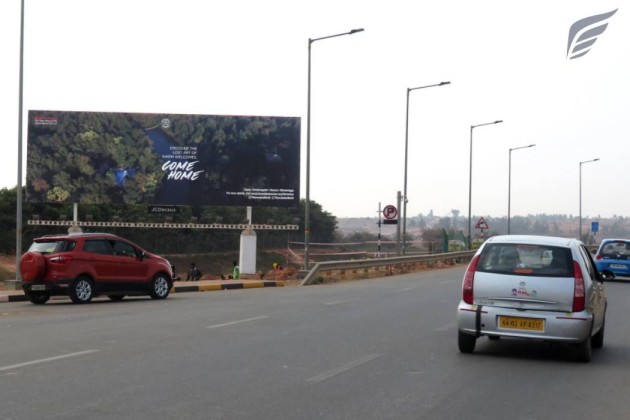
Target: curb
18, 295
226, 286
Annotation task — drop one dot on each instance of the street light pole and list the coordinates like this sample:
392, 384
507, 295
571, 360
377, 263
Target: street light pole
470, 180
581, 163
404, 233
18, 216
510, 180
307, 225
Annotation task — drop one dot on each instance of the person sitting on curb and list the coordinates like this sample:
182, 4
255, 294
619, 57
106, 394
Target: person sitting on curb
236, 273
194, 274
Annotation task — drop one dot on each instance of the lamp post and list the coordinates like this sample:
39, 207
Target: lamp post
470, 180
308, 144
404, 233
18, 216
581, 163
510, 180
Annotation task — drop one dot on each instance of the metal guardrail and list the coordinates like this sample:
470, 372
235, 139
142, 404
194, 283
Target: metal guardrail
380, 266
160, 225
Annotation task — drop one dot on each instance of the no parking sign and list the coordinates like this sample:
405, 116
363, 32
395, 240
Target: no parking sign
391, 214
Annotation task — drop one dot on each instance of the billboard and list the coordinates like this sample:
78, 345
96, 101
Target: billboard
162, 159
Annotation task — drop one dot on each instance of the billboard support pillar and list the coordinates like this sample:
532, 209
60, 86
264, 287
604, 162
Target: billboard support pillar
75, 219
247, 256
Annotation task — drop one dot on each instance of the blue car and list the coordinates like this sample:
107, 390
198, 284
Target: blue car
613, 258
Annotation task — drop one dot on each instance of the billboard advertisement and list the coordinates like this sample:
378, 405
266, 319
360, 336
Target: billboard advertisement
162, 159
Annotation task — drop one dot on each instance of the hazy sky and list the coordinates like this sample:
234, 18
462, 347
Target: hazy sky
506, 60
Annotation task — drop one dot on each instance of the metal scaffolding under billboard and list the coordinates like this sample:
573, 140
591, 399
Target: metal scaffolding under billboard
163, 159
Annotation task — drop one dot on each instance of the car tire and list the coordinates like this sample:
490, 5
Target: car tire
584, 350
597, 342
160, 287
38, 298
116, 298
466, 342
81, 290
32, 266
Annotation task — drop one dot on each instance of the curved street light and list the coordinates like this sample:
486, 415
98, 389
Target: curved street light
470, 180
581, 163
308, 144
404, 214
510, 180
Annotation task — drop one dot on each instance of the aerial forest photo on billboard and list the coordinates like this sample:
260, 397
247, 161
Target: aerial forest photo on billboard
169, 159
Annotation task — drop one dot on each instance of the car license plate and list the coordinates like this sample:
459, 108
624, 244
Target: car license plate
36, 287
618, 266
515, 323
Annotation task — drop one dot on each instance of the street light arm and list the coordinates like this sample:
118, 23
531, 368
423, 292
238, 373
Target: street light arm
354, 31
428, 86
522, 147
587, 161
490, 123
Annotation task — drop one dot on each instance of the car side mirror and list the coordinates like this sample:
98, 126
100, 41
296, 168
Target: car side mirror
142, 255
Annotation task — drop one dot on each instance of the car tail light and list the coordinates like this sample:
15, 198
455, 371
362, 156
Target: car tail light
61, 259
599, 257
469, 280
578, 291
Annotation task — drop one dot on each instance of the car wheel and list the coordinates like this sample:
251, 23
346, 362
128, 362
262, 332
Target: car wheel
608, 275
160, 287
32, 266
466, 342
38, 298
81, 290
584, 350
116, 298
597, 342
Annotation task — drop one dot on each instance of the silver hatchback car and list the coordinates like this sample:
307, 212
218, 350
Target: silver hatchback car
533, 287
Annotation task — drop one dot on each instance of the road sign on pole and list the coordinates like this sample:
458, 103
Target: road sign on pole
481, 224
390, 212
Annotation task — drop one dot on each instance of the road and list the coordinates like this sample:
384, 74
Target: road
373, 349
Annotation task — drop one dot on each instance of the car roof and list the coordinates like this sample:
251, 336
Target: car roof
535, 240
615, 240
77, 235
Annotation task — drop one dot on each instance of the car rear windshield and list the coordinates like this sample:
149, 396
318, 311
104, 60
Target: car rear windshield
619, 250
52, 246
526, 260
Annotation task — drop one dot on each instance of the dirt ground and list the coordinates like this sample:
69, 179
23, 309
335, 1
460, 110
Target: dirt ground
7, 263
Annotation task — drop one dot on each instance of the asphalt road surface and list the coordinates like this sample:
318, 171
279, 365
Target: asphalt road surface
373, 349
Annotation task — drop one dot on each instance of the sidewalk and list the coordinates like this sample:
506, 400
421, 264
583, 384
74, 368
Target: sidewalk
178, 287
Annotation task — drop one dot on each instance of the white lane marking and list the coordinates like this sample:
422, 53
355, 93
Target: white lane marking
227, 324
48, 359
406, 289
446, 327
337, 302
327, 375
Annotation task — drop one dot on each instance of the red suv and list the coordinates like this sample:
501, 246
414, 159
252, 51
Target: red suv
85, 265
